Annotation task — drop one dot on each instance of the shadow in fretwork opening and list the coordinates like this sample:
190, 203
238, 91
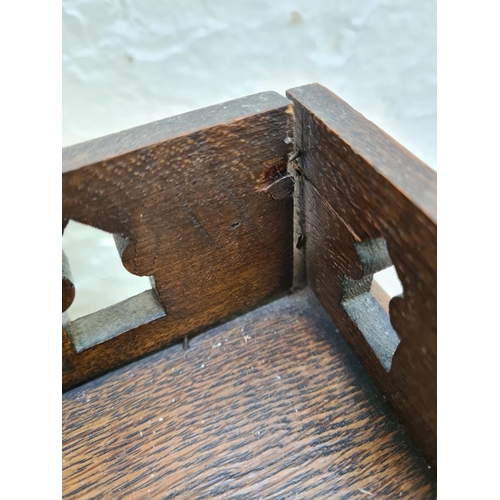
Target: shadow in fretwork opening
366, 301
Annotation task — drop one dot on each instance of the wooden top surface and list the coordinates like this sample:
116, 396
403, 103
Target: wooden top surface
271, 405
385, 155
117, 144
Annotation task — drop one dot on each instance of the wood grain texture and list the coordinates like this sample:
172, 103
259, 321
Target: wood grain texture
112, 321
367, 199
184, 199
271, 405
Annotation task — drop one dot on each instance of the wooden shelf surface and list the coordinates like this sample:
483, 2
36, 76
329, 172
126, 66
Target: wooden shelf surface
273, 404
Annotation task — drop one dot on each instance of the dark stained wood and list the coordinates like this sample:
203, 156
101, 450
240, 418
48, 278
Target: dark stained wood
184, 199
271, 405
218, 211
68, 295
68, 288
367, 202
280, 188
68, 350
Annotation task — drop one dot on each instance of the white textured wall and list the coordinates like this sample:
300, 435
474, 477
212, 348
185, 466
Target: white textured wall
131, 62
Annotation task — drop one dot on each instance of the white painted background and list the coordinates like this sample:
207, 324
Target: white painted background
129, 62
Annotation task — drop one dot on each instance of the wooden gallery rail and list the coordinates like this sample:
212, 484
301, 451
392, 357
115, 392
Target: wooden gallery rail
261, 222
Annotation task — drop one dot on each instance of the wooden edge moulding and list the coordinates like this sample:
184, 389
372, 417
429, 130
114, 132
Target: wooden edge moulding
232, 206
